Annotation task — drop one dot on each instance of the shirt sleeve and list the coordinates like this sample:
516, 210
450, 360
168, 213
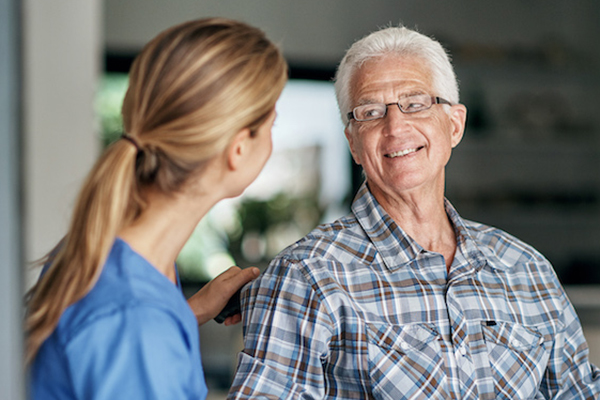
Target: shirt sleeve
286, 334
570, 375
132, 353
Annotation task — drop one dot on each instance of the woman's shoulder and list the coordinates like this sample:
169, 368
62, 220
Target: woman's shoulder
127, 285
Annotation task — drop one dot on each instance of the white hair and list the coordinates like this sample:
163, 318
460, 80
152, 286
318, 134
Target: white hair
399, 41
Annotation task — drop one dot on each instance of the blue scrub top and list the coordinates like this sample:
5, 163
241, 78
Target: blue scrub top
133, 336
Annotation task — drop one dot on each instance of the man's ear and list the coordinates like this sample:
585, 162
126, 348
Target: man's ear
458, 118
350, 138
237, 149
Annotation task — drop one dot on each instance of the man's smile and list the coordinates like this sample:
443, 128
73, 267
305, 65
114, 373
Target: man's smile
403, 152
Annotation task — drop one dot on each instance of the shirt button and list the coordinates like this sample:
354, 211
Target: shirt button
463, 350
404, 346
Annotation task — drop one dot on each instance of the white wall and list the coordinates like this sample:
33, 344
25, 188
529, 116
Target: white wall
62, 50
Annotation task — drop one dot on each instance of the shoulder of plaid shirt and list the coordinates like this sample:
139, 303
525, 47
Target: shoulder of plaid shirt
357, 309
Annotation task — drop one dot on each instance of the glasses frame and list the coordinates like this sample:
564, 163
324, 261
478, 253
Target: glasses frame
434, 100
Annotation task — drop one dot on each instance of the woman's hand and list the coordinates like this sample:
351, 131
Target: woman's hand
212, 298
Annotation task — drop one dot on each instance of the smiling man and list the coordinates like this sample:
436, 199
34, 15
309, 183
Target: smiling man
402, 298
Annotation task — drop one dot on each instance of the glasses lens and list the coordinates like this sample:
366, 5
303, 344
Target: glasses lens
416, 103
368, 112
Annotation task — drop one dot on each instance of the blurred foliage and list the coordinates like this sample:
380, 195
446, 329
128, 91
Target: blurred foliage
109, 100
205, 254
276, 223
260, 215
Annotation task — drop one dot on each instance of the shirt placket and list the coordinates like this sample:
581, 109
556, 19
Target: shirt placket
463, 377
466, 332
461, 336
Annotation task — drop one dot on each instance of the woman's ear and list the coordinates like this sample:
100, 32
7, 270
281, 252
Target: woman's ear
238, 148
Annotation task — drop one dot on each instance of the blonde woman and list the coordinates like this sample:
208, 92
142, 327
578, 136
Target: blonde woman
108, 319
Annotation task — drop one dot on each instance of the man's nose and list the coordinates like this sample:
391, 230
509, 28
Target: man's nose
395, 120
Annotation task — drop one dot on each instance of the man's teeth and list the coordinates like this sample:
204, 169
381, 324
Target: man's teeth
401, 153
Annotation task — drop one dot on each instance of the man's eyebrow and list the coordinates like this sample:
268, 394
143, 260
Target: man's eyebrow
370, 100
367, 100
415, 92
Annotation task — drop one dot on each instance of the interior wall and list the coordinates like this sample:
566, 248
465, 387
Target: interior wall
62, 51
318, 32
11, 343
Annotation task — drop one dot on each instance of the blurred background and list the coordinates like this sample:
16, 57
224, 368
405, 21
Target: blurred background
529, 74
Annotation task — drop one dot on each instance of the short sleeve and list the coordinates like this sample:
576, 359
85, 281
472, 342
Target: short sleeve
133, 353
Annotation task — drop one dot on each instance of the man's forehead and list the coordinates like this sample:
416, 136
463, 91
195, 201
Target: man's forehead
388, 89
395, 74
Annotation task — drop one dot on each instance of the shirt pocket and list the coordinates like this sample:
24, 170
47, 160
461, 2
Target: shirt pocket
518, 356
406, 362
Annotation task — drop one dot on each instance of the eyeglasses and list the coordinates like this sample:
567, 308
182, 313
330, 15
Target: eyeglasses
408, 105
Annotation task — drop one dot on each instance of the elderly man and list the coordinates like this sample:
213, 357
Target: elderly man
404, 299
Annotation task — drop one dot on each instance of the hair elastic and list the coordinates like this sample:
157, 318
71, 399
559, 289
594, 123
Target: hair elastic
132, 140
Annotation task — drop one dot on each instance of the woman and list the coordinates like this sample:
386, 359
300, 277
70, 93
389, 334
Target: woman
108, 320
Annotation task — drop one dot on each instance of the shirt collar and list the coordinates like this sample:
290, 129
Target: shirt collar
394, 245
465, 242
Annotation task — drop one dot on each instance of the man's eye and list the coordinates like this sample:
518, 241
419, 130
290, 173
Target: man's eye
415, 103
372, 112
414, 106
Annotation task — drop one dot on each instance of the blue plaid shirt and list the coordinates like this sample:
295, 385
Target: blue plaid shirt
357, 309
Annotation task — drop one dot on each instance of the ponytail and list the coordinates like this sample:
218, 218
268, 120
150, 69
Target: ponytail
108, 200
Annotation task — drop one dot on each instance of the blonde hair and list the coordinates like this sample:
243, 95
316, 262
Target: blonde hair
190, 90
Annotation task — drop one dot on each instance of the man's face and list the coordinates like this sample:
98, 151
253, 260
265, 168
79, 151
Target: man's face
401, 153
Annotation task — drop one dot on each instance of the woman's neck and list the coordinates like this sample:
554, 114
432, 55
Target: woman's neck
164, 227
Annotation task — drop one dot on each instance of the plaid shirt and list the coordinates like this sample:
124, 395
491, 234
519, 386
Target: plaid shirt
357, 309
